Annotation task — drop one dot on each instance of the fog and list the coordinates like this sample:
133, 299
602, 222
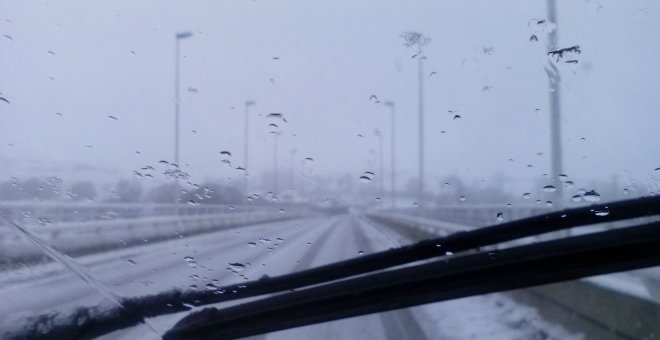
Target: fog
90, 93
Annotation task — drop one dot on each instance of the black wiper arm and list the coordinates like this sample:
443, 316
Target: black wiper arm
512, 268
103, 321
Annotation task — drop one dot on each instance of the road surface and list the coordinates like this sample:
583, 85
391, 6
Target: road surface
247, 253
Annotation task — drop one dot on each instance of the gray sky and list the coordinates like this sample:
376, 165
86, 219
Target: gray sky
332, 56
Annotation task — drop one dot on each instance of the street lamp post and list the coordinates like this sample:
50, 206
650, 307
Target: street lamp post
555, 111
380, 167
245, 143
418, 39
293, 169
275, 184
179, 36
392, 154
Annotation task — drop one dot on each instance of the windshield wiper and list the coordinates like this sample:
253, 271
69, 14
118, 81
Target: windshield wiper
486, 272
101, 321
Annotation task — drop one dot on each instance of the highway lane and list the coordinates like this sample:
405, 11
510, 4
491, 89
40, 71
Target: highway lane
249, 252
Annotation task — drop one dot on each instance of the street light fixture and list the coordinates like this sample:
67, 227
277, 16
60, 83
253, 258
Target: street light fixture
392, 154
293, 169
380, 166
248, 103
275, 184
179, 37
419, 40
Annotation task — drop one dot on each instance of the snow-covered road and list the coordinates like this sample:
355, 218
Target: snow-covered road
249, 252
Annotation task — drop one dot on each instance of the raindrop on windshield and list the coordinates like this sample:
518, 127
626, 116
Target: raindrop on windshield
576, 198
549, 188
456, 117
533, 38
500, 216
191, 261
236, 267
527, 195
365, 179
252, 244
591, 196
462, 198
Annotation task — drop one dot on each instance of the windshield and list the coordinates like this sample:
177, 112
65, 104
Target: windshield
149, 146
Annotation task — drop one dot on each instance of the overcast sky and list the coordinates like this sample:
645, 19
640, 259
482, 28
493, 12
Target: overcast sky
318, 63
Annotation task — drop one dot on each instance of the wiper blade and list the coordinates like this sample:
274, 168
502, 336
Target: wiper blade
451, 278
103, 321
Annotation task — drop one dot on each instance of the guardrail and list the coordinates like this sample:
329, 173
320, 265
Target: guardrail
77, 229
616, 306
48, 212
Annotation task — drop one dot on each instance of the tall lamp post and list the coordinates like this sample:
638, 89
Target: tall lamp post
419, 40
555, 111
275, 184
293, 169
248, 103
179, 36
392, 155
380, 166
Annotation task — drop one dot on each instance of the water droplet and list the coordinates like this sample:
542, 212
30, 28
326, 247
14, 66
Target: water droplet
527, 195
373, 98
191, 261
191, 202
569, 184
548, 203
264, 240
113, 117
211, 286
449, 253
500, 216
252, 244
415, 204
377, 199
309, 159
576, 198
360, 252
533, 38
236, 267
131, 262
591, 196
549, 188
602, 212
226, 153
462, 198
457, 117
365, 179
281, 211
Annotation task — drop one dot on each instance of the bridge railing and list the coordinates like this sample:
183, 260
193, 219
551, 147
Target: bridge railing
87, 228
